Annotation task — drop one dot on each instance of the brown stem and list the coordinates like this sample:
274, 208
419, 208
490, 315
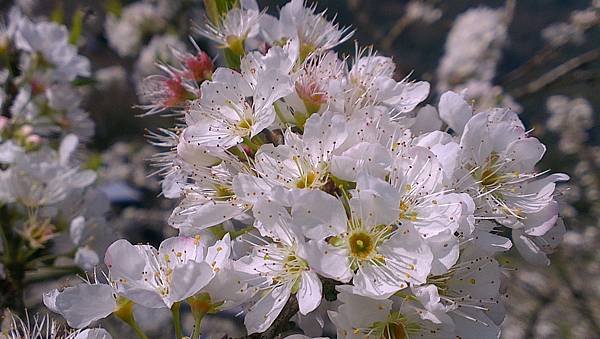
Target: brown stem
13, 283
556, 73
397, 29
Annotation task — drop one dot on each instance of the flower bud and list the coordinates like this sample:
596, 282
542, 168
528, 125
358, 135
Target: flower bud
38, 232
25, 130
199, 67
32, 142
4, 122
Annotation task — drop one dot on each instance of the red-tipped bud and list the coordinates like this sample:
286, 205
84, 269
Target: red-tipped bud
199, 67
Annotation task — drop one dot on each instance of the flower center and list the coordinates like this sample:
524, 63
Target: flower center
223, 193
405, 212
294, 264
245, 124
491, 176
361, 245
305, 50
394, 327
307, 180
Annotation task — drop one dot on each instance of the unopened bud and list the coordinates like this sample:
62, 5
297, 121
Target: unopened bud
4, 122
25, 131
32, 142
199, 67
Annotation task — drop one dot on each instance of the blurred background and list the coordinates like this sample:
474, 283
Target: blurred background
543, 60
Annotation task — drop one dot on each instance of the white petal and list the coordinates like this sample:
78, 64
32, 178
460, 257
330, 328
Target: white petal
375, 201
93, 333
319, 215
309, 295
367, 282
455, 111
491, 243
539, 223
408, 95
262, 314
249, 188
82, 304
329, 261
427, 120
86, 258
218, 254
171, 184
124, 260
370, 158
188, 279
466, 328
49, 299
529, 249
67, 146
275, 221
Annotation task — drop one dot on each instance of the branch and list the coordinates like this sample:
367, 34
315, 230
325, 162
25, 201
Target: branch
556, 73
10, 88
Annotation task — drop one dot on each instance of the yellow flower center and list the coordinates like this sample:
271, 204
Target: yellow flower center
361, 245
245, 124
405, 213
223, 193
307, 180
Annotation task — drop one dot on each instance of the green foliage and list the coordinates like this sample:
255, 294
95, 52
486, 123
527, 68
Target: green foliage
76, 26
114, 7
215, 9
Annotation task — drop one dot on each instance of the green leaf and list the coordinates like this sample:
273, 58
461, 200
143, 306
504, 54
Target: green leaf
215, 9
76, 26
83, 81
58, 13
212, 11
114, 7
94, 162
225, 6
232, 59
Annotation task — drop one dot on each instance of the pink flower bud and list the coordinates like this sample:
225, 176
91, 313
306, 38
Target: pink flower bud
33, 140
4, 121
176, 92
199, 67
25, 130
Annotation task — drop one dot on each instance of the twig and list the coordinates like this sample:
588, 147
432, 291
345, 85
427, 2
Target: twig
539, 57
397, 29
10, 88
557, 73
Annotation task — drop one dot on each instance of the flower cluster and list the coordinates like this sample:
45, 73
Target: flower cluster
472, 52
44, 191
573, 31
312, 185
